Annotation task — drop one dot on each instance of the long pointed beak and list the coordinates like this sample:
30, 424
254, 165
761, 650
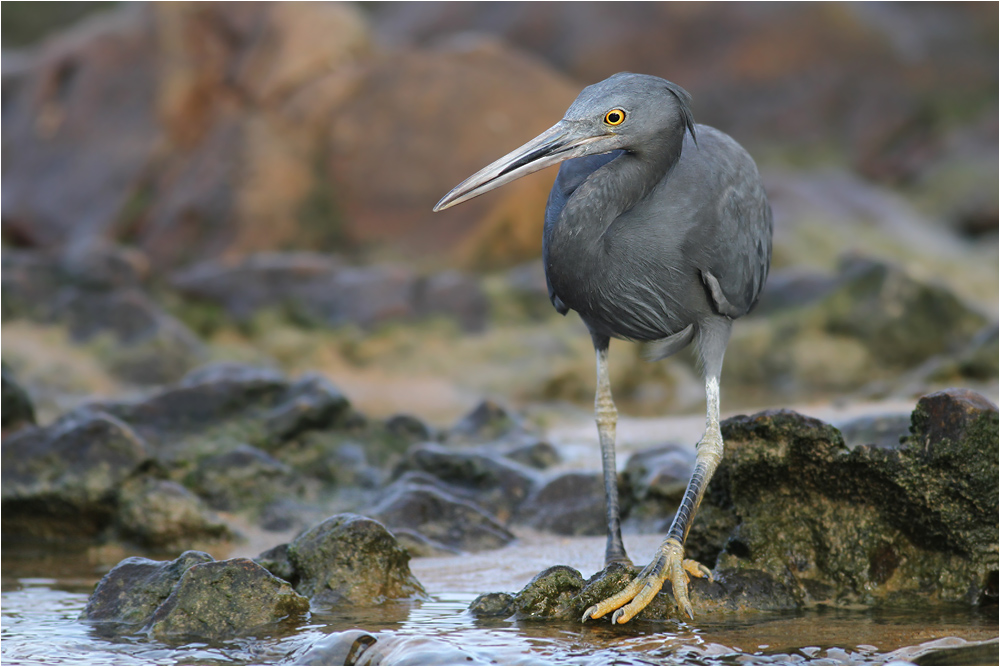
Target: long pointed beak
560, 142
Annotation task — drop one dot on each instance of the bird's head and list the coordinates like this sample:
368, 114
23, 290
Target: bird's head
624, 112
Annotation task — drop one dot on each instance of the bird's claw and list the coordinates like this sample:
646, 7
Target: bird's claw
631, 600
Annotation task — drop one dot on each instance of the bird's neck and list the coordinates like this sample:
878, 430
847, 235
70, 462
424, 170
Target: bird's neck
608, 193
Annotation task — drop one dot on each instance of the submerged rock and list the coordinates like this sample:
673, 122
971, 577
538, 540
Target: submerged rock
349, 559
225, 599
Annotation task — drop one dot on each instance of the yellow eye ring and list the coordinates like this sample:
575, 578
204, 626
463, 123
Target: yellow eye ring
615, 117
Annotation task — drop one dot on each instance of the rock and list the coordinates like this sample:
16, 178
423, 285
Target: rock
492, 605
18, 410
498, 486
440, 517
487, 422
793, 287
276, 561
409, 427
242, 478
652, 485
225, 599
539, 454
549, 594
352, 560
81, 131
161, 514
63, 481
571, 504
867, 524
456, 294
312, 401
879, 430
134, 588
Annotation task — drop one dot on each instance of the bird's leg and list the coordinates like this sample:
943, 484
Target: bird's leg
606, 415
669, 562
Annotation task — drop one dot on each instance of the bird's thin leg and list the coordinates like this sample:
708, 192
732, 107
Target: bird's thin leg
669, 562
606, 416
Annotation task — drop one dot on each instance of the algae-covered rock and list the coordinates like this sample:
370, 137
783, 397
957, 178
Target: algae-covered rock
867, 524
225, 599
62, 481
134, 588
349, 559
550, 594
492, 605
243, 477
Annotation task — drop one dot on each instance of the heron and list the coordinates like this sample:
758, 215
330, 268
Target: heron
657, 231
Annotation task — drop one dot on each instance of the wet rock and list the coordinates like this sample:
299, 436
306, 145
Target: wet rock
440, 517
161, 514
18, 410
492, 605
225, 599
880, 430
498, 486
352, 560
62, 481
244, 477
571, 504
134, 588
549, 594
341, 648
867, 524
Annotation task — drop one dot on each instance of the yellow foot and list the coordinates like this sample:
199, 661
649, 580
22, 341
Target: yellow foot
669, 564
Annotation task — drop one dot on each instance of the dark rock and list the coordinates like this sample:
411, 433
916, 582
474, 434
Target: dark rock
492, 605
62, 481
225, 599
487, 422
310, 402
349, 559
539, 454
420, 546
879, 430
440, 517
241, 478
18, 410
288, 514
162, 514
865, 524
342, 648
276, 561
792, 288
962, 653
134, 588
571, 504
660, 473
498, 486
550, 594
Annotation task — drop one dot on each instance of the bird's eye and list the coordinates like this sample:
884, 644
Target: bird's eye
615, 117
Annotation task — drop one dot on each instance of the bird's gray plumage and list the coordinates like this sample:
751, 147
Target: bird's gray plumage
656, 230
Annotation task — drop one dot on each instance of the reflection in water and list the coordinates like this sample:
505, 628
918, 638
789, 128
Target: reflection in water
40, 627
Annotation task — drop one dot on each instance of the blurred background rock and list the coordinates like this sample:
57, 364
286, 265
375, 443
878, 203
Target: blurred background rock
195, 182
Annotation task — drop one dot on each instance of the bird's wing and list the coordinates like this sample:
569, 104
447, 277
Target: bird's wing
735, 278
572, 174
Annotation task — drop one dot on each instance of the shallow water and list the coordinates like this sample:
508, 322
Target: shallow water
39, 623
